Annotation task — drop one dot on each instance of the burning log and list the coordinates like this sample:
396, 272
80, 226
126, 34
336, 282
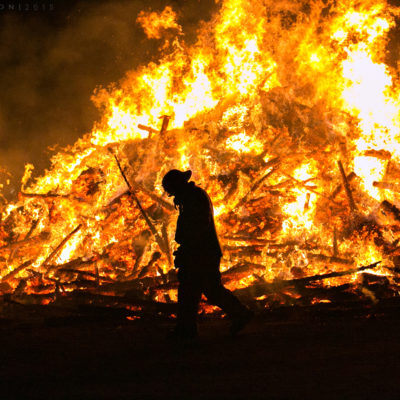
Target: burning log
289, 243
260, 289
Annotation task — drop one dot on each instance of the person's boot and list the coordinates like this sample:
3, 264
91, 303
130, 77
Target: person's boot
182, 336
239, 321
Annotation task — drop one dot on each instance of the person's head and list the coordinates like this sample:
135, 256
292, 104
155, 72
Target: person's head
174, 181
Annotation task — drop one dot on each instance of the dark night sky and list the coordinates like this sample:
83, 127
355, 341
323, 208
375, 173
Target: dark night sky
51, 62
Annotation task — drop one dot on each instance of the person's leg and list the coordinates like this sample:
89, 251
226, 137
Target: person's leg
189, 293
217, 294
220, 296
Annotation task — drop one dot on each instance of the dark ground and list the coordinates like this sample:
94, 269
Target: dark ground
292, 353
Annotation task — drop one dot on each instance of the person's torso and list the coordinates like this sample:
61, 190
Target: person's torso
195, 229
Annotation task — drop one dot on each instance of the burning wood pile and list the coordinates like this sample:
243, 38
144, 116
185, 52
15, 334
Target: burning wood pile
287, 115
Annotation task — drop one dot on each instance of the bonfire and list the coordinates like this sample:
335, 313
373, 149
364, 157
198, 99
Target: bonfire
288, 115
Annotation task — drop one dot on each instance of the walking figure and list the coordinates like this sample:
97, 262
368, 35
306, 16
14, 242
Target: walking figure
198, 258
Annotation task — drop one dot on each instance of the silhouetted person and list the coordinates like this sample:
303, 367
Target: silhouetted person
198, 257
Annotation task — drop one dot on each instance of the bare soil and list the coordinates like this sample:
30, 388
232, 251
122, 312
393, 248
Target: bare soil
289, 353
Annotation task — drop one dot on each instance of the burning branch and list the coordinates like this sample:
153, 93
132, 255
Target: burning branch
15, 271
260, 289
225, 133
159, 200
44, 195
302, 184
148, 129
273, 164
153, 230
61, 245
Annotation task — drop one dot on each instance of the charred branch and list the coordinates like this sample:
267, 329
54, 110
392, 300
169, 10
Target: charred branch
391, 210
338, 189
346, 184
32, 228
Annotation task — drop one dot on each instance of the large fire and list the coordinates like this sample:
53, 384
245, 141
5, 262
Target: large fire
288, 116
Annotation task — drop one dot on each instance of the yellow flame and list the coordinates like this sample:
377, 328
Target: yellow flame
300, 213
154, 23
301, 83
370, 169
243, 143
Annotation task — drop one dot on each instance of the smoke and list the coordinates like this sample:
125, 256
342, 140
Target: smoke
51, 62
